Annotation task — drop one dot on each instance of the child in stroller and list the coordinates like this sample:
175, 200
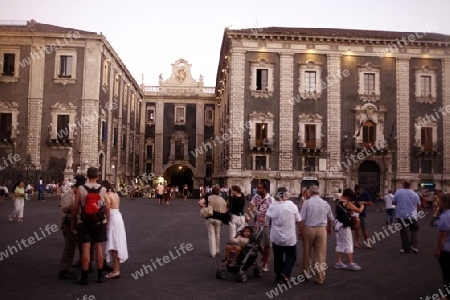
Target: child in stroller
240, 254
236, 245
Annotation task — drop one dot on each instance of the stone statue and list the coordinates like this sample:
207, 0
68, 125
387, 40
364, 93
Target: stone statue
69, 159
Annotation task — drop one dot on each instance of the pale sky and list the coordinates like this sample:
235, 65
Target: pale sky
151, 35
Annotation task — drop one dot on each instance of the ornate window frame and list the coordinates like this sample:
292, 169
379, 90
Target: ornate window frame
425, 70
310, 119
102, 118
179, 120
369, 68
260, 117
16, 52
149, 142
310, 66
184, 138
64, 109
209, 121
105, 73
73, 75
267, 156
254, 67
13, 109
425, 122
369, 112
147, 120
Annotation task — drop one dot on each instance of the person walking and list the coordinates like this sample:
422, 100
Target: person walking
390, 211
316, 223
116, 245
407, 203
41, 189
282, 217
160, 192
90, 229
70, 237
214, 223
19, 202
442, 252
362, 198
236, 207
344, 240
261, 202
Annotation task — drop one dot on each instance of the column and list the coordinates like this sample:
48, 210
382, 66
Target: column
285, 140
334, 112
237, 89
90, 103
35, 105
403, 116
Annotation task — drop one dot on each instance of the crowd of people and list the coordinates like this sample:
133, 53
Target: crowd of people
281, 224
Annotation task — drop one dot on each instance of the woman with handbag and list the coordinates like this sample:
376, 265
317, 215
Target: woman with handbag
214, 222
236, 209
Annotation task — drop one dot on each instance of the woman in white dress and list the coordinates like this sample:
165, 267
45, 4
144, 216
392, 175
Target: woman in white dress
116, 245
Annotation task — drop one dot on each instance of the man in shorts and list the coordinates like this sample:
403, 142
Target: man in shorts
160, 192
90, 231
362, 198
261, 202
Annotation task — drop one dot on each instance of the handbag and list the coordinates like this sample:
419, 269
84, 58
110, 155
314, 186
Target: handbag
206, 211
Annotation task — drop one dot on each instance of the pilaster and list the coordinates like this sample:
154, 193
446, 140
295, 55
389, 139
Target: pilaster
159, 141
403, 116
446, 116
286, 123
199, 139
334, 112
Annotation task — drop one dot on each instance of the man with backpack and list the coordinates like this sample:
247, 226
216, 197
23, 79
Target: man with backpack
94, 213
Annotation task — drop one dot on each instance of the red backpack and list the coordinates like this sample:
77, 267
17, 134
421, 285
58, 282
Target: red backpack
93, 209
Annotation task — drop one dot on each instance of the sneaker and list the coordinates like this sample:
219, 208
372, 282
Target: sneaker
353, 267
81, 281
403, 251
414, 250
10, 218
340, 265
265, 268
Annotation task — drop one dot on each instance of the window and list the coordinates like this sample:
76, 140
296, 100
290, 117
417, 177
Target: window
261, 79
369, 134
62, 127
124, 141
148, 168
261, 134
105, 80
8, 64
5, 125
310, 164
209, 154
116, 85
149, 152
179, 150
426, 138
310, 136
369, 83
116, 136
150, 114
104, 131
260, 163
310, 84
209, 117
310, 81
180, 115
425, 165
426, 86
133, 102
208, 170
65, 66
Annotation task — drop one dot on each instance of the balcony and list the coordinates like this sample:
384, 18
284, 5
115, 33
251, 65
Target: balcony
311, 145
379, 146
262, 144
426, 148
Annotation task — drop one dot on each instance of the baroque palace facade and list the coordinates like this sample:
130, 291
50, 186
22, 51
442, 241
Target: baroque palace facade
67, 101
334, 106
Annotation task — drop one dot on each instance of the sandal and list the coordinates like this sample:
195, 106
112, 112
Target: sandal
357, 245
113, 275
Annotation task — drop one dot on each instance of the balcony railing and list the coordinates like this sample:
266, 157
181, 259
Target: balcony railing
424, 148
261, 143
379, 146
311, 144
179, 89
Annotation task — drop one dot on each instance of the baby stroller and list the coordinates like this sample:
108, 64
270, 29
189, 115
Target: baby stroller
247, 258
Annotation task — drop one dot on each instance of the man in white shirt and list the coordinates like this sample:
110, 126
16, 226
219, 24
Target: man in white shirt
282, 216
160, 192
389, 207
316, 220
